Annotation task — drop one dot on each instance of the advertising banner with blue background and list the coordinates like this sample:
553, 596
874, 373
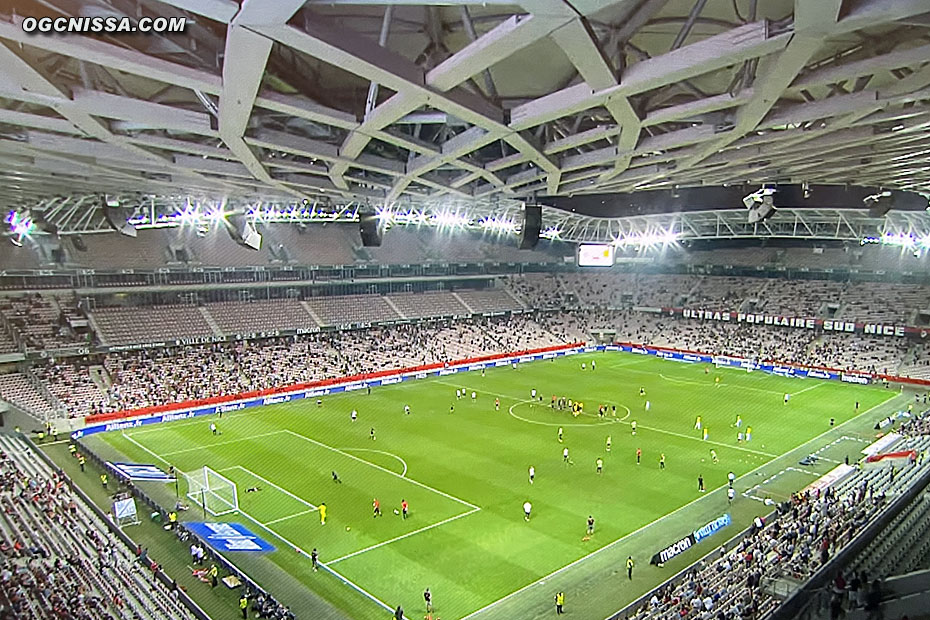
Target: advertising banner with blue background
228, 537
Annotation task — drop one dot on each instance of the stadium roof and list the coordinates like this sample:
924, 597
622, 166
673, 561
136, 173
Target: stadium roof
453, 102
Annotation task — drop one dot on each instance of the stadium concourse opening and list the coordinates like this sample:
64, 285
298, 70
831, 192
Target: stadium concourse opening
465, 310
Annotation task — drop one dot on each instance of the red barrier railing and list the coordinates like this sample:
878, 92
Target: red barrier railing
216, 400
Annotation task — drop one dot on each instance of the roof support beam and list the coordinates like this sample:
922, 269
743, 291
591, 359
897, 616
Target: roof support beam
743, 43
813, 23
243, 67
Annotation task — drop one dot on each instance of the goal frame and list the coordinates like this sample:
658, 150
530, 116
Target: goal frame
202, 489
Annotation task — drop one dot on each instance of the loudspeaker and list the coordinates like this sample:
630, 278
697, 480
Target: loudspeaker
369, 230
117, 218
243, 232
532, 225
881, 206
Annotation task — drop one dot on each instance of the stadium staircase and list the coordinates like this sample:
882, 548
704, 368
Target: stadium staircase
395, 308
684, 300
43, 390
909, 365
462, 301
757, 298
902, 596
520, 303
210, 321
101, 378
312, 314
96, 329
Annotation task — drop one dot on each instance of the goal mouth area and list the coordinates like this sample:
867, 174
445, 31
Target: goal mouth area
213, 492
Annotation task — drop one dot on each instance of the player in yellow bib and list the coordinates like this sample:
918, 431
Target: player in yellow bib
322, 514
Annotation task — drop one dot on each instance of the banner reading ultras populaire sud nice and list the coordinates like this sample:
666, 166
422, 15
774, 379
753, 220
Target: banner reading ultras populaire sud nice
775, 320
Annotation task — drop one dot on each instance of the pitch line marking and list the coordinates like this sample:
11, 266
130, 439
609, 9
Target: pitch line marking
520, 402
603, 422
52, 443
456, 385
163, 460
384, 469
407, 535
699, 383
219, 443
324, 565
299, 514
558, 571
750, 493
630, 363
708, 441
807, 389
391, 454
270, 483
685, 381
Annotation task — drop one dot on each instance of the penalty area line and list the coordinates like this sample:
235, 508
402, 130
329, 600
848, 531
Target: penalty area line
391, 454
323, 565
403, 536
378, 467
270, 483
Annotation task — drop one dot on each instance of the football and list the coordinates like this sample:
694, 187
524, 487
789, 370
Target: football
396, 511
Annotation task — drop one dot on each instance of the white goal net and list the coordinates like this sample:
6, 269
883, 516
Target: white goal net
216, 494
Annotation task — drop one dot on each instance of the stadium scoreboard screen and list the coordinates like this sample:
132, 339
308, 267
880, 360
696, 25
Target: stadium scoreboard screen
595, 255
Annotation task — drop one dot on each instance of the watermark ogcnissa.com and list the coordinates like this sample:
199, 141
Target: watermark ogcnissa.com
104, 25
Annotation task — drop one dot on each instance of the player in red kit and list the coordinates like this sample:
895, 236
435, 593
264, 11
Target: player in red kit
403, 507
376, 505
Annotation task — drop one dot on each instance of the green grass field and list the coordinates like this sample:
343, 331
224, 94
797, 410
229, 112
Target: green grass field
464, 475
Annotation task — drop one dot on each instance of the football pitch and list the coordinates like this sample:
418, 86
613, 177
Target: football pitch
465, 477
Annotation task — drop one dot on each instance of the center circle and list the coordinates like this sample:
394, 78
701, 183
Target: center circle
599, 422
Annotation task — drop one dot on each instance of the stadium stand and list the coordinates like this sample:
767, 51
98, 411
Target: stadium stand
802, 536
410, 246
59, 559
71, 385
603, 303
872, 354
158, 376
218, 251
536, 290
259, 316
7, 344
16, 388
490, 300
130, 325
424, 305
332, 244
352, 309
40, 321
